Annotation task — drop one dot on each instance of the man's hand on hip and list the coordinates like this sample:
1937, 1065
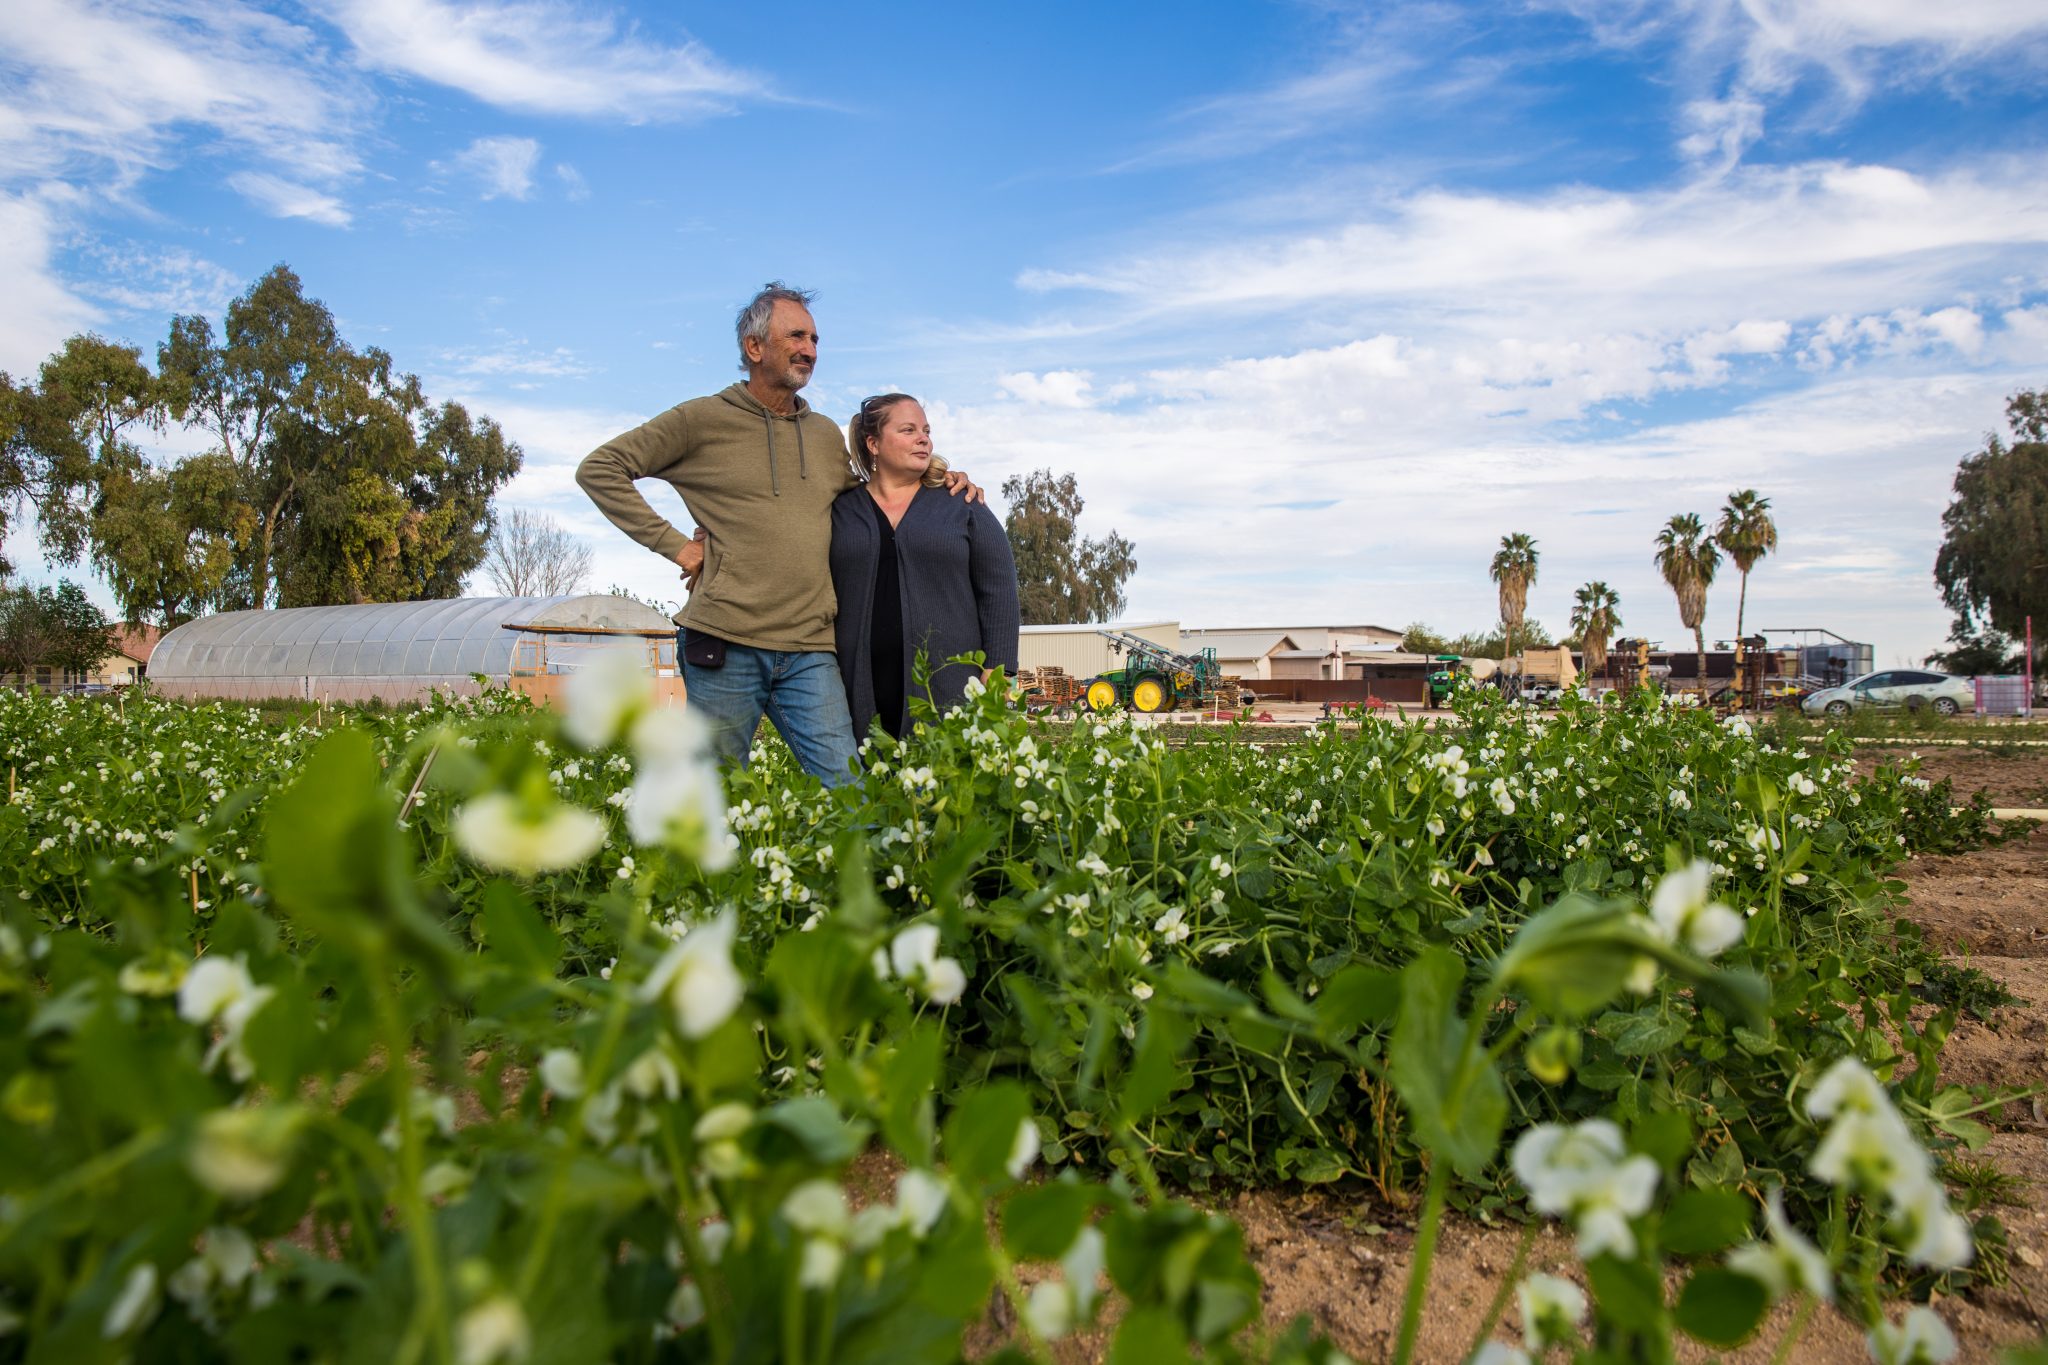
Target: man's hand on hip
958, 483
691, 558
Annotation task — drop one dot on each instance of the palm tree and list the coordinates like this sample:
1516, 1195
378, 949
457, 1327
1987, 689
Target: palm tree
1596, 617
1687, 558
1747, 533
1514, 568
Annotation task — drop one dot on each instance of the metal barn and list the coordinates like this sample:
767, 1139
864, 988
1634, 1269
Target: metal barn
406, 651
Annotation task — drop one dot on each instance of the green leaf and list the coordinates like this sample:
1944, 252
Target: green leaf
908, 1075
1453, 1092
1156, 1072
1572, 958
1644, 1035
815, 1124
1665, 1135
1149, 1336
1355, 997
982, 1130
515, 932
1041, 1221
1705, 1219
1630, 1293
1721, 1308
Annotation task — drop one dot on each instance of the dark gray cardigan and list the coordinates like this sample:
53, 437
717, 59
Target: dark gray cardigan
959, 593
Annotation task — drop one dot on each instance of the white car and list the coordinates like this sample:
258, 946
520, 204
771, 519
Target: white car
1911, 688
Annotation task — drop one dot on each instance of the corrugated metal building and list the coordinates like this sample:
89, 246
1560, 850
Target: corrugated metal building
405, 651
1083, 653
1240, 653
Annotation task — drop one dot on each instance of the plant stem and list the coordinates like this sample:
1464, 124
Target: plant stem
1794, 1330
431, 1314
1425, 1251
1507, 1287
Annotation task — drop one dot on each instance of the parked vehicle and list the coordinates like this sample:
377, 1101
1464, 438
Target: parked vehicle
1910, 688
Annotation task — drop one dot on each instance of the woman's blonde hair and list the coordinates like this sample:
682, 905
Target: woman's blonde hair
867, 426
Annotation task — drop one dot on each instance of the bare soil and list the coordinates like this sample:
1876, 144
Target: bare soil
1345, 1263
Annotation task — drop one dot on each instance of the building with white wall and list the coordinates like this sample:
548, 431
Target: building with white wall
1082, 652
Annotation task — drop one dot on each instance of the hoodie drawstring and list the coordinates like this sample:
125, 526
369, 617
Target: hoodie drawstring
803, 467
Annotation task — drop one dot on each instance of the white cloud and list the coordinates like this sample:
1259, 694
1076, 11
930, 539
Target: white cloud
516, 361
157, 281
281, 198
1055, 388
543, 56
1813, 238
113, 87
502, 165
40, 309
573, 183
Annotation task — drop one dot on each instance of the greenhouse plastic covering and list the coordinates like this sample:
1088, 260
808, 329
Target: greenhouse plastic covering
393, 650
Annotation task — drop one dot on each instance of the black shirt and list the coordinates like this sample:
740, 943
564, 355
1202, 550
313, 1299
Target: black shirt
885, 637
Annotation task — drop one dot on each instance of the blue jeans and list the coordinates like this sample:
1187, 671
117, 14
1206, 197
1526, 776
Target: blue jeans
800, 692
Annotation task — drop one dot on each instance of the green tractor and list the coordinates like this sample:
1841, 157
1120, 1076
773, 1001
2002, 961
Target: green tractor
1155, 678
1443, 679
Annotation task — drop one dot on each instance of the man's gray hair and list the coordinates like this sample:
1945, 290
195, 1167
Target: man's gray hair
753, 319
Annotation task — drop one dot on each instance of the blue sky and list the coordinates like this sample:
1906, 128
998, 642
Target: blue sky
1316, 300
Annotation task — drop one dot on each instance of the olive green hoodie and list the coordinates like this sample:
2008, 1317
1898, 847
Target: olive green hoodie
761, 486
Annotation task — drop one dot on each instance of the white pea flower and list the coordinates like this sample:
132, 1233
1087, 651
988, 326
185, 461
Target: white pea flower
1787, 1261
135, 1306
819, 1268
1218, 865
221, 989
1922, 1338
1848, 1084
1499, 1353
680, 804
914, 956
1056, 1307
243, 1153
920, 1200
1173, 926
493, 1331
603, 695
818, 1207
686, 1306
525, 837
1024, 1149
1584, 1172
1683, 911
561, 1071
1933, 1234
718, 1133
1552, 1309
696, 978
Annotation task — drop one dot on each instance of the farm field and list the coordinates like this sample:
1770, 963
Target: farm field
1043, 1001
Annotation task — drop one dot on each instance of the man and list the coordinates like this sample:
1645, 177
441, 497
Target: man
758, 470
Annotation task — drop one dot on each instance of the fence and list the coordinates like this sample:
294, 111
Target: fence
2002, 696
1349, 691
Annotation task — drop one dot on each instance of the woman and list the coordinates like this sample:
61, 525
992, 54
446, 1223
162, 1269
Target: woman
916, 571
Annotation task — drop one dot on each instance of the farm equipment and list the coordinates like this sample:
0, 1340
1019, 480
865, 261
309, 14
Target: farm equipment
1156, 678
1051, 688
1444, 677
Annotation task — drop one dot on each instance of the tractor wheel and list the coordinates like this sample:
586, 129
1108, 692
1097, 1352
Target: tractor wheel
1102, 695
1150, 695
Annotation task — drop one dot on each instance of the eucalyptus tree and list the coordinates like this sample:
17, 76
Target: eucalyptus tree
1993, 565
1596, 615
1514, 569
1687, 557
1747, 533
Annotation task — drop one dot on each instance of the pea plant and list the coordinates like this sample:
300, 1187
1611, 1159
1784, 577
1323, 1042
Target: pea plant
479, 1033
